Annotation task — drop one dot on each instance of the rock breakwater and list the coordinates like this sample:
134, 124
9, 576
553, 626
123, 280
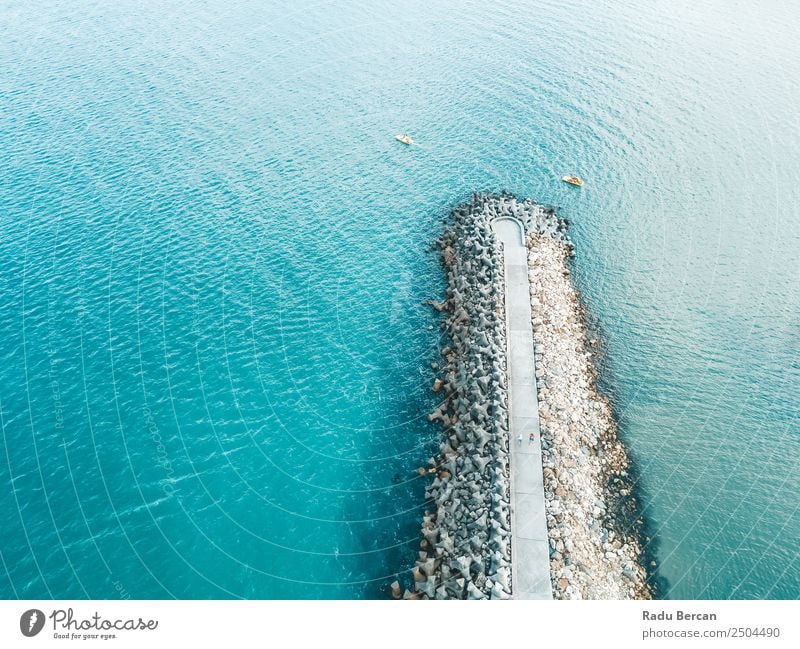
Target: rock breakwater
592, 517
465, 550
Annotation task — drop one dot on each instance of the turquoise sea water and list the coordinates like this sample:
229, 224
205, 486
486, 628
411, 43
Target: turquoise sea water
214, 356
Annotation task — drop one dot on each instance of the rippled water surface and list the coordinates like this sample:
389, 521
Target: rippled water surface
214, 356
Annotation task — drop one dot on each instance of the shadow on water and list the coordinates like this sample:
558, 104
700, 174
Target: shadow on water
396, 489
388, 547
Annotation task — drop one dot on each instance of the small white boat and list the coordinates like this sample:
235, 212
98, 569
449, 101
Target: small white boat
404, 138
573, 180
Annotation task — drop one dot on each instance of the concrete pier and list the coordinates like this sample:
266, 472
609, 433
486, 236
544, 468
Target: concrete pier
530, 551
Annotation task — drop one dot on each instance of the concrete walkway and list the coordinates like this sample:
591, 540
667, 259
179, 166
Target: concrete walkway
530, 551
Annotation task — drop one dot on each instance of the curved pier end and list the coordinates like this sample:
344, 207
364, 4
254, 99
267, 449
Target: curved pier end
530, 550
511, 232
